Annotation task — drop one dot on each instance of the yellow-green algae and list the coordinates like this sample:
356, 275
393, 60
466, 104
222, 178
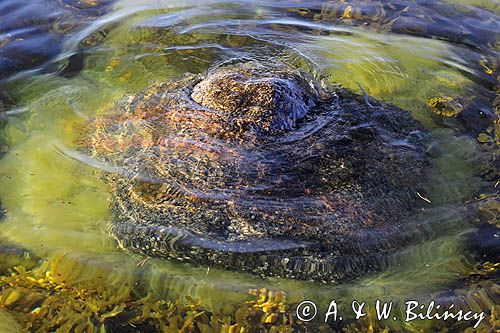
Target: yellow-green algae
44, 300
404, 70
48, 299
492, 5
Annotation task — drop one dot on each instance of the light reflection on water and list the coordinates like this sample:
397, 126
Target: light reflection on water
57, 205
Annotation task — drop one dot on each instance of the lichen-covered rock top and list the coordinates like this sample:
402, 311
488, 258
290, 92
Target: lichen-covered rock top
253, 168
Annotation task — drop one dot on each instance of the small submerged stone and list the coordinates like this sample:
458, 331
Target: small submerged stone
12, 255
255, 164
445, 106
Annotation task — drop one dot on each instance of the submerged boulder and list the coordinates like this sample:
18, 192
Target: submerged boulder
257, 168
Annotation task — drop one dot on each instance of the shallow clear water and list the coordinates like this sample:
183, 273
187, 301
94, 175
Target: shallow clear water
56, 203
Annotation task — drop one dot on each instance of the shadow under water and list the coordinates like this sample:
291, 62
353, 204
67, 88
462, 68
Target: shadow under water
437, 60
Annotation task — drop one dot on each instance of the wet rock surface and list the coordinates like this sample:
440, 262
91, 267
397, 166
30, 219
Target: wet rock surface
256, 168
32, 32
457, 23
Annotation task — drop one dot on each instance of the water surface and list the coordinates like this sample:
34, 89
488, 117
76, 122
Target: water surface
56, 202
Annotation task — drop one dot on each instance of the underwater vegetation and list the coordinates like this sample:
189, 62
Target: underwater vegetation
53, 296
43, 301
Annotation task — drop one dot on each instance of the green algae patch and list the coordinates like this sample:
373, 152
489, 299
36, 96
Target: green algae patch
42, 301
398, 69
479, 292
